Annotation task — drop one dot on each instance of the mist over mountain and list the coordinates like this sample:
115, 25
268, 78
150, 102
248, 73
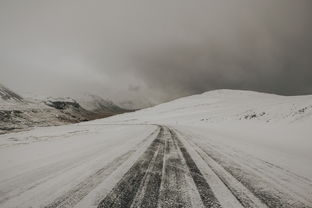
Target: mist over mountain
18, 113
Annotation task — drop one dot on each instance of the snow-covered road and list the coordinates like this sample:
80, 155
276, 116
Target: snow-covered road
42, 166
97, 165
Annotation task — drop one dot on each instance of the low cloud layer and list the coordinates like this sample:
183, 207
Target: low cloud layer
146, 52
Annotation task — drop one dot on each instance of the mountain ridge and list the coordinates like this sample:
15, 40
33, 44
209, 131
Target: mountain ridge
224, 105
18, 113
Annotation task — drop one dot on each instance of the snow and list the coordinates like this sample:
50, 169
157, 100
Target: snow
54, 159
226, 105
255, 129
276, 128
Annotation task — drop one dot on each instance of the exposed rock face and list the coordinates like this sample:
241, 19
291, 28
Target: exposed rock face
62, 104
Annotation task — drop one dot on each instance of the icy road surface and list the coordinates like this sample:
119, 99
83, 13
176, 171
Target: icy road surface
97, 165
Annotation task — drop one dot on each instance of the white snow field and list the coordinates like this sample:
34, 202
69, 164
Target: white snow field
223, 148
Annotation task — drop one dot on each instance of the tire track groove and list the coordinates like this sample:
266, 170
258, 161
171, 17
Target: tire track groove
238, 178
174, 188
82, 189
158, 179
206, 193
243, 195
125, 191
149, 189
266, 192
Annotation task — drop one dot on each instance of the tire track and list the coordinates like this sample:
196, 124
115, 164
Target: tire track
166, 176
125, 191
243, 195
205, 192
158, 179
174, 186
221, 191
244, 184
73, 196
266, 192
152, 180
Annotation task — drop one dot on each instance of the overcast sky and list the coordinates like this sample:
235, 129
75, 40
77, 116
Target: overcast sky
146, 51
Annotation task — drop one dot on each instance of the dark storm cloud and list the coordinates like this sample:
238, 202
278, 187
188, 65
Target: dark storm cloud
268, 48
145, 52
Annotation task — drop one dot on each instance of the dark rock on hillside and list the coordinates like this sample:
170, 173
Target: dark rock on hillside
17, 113
63, 103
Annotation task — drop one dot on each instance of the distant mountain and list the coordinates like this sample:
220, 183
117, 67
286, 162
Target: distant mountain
8, 95
17, 113
100, 106
136, 103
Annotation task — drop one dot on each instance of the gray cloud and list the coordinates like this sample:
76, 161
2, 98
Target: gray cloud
151, 51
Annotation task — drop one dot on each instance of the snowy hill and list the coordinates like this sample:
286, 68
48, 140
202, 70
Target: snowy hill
229, 105
258, 123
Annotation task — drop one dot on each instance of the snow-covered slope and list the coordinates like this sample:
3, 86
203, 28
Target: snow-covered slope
221, 106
